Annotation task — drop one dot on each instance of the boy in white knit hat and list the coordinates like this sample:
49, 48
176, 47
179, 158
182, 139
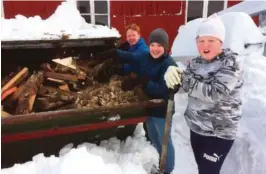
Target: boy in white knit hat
213, 82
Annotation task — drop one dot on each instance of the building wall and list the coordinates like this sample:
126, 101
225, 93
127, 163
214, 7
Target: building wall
30, 8
148, 15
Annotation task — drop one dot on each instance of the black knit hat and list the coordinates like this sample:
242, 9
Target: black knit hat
160, 36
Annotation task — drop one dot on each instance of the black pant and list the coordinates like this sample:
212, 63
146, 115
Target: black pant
210, 152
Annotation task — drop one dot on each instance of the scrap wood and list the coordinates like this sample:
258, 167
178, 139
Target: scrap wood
55, 94
4, 114
59, 82
64, 87
65, 62
53, 98
81, 75
47, 67
61, 76
8, 92
67, 66
16, 80
17, 93
28, 94
7, 78
45, 104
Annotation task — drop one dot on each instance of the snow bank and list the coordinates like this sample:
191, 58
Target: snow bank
65, 20
250, 7
135, 155
240, 30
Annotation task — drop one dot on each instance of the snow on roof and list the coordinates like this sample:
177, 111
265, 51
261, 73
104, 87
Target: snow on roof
66, 20
240, 31
250, 7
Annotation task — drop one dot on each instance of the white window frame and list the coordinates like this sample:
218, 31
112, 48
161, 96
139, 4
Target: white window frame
2, 9
92, 13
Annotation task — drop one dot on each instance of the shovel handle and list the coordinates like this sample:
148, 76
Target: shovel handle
173, 91
167, 126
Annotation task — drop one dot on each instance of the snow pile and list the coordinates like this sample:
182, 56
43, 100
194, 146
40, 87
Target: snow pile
248, 155
135, 155
239, 27
66, 20
263, 30
250, 7
185, 42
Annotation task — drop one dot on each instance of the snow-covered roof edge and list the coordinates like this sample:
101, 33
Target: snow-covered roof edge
252, 8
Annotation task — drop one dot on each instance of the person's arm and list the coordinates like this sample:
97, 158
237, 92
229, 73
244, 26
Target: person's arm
124, 46
225, 80
159, 88
127, 68
127, 56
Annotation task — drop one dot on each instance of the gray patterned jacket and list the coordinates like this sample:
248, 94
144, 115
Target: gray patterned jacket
214, 99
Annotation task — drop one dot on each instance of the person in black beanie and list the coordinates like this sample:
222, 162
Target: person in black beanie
150, 70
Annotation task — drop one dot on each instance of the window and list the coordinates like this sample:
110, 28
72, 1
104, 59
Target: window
95, 11
2, 10
215, 6
194, 10
203, 8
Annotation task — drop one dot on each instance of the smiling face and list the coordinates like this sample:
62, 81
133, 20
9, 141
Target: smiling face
156, 50
132, 37
209, 47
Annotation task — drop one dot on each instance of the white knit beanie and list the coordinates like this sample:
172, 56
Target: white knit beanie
212, 26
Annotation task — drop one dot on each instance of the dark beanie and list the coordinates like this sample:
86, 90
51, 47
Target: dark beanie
160, 36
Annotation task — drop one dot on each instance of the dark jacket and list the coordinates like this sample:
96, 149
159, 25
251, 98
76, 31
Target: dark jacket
140, 46
154, 70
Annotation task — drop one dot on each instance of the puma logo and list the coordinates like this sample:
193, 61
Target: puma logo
214, 157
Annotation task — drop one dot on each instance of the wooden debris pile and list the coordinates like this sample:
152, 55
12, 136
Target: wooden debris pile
64, 84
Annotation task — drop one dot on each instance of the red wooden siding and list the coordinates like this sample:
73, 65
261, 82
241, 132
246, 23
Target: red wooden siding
30, 8
148, 15
256, 19
233, 2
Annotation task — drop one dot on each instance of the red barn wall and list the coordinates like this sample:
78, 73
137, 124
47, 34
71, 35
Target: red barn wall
148, 15
30, 8
233, 2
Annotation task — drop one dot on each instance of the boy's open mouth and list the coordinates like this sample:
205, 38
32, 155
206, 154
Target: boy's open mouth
206, 51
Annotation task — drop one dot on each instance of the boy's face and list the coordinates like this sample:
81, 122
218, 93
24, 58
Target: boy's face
132, 37
209, 47
156, 50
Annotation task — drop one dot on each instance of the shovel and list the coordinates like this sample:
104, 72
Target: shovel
169, 114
